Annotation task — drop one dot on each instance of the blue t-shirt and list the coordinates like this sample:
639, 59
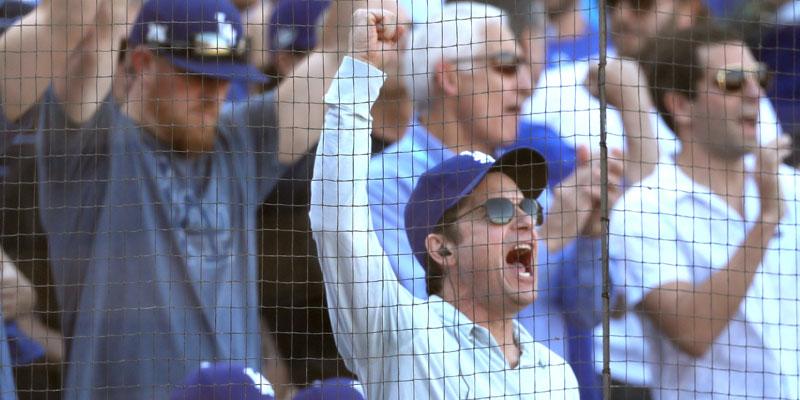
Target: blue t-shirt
153, 253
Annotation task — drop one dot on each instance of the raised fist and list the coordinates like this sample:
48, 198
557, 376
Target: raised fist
626, 85
767, 175
376, 37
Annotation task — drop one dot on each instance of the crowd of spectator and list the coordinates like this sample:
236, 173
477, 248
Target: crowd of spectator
171, 228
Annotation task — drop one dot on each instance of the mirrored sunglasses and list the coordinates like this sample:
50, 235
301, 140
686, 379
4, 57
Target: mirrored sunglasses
500, 210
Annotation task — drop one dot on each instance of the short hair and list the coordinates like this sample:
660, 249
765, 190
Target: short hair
527, 15
451, 34
434, 272
672, 63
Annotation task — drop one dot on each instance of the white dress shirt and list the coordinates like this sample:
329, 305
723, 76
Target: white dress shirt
673, 229
401, 347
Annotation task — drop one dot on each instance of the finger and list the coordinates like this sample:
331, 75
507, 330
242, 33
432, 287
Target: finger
386, 24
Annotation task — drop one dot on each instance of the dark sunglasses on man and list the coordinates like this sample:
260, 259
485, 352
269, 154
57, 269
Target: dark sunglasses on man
732, 79
504, 62
500, 210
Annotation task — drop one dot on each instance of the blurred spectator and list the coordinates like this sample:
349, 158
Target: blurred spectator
570, 37
224, 381
633, 24
293, 30
707, 241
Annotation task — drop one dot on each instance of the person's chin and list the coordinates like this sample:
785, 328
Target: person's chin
521, 290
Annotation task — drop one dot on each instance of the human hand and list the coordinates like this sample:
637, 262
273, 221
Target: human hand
16, 292
578, 197
768, 160
626, 85
375, 38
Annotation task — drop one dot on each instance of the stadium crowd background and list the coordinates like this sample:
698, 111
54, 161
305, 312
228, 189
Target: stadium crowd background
298, 45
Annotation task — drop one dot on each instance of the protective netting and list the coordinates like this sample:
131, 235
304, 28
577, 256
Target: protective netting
349, 199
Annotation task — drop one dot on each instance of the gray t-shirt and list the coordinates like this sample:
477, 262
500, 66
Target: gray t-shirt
153, 253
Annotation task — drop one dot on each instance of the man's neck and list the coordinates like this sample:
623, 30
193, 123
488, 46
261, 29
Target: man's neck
723, 176
453, 134
568, 23
499, 324
391, 116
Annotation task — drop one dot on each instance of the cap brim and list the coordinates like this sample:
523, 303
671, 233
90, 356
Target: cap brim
527, 167
224, 70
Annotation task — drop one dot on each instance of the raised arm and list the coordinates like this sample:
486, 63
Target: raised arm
626, 90
90, 67
35, 49
359, 281
694, 314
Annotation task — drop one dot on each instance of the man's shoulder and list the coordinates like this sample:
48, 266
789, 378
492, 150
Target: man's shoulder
650, 191
393, 160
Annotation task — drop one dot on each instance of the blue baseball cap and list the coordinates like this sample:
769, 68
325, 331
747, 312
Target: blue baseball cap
444, 185
200, 36
332, 389
224, 381
293, 24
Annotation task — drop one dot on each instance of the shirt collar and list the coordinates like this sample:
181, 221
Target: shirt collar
452, 317
421, 143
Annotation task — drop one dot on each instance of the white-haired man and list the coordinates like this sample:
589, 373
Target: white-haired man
472, 219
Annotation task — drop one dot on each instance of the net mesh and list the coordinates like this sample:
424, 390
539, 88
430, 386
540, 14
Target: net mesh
332, 199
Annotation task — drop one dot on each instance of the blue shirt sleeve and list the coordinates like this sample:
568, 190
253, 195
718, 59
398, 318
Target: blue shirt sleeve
580, 280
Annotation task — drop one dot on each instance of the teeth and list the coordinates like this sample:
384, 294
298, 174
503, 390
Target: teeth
525, 274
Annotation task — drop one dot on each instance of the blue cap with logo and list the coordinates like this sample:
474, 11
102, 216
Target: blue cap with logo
444, 185
293, 25
224, 381
204, 37
332, 389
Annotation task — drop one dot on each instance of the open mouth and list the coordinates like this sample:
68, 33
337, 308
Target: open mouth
521, 257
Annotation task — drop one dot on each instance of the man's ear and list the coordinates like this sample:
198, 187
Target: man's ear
139, 60
439, 249
445, 78
679, 108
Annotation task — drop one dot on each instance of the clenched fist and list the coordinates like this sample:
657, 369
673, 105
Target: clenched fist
376, 37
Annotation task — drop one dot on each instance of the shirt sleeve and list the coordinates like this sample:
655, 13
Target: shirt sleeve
360, 285
580, 282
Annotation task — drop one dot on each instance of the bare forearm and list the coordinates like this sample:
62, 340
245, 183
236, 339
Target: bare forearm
641, 150
299, 106
89, 70
35, 49
694, 316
